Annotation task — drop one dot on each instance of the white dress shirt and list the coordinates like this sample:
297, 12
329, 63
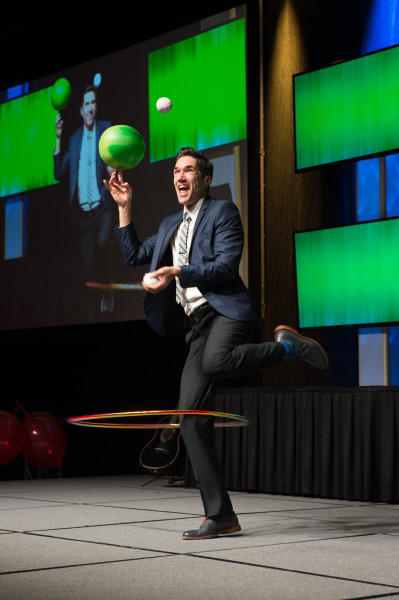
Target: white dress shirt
191, 297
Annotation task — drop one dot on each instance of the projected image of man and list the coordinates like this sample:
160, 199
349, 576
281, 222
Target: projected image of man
91, 206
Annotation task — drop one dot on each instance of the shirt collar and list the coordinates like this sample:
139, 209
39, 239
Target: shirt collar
92, 132
194, 210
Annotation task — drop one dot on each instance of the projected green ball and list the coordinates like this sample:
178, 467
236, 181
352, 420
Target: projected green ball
60, 93
121, 146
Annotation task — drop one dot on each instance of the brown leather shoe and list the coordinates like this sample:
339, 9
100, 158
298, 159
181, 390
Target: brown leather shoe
212, 527
308, 350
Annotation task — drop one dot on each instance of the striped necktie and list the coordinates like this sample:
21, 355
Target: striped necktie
182, 258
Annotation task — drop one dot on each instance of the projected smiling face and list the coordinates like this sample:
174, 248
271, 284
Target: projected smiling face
88, 110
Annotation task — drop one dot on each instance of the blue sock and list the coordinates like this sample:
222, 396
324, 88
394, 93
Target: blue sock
290, 350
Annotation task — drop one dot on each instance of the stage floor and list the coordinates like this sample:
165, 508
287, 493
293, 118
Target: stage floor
120, 537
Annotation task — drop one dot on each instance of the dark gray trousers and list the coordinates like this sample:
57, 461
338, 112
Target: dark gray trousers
219, 348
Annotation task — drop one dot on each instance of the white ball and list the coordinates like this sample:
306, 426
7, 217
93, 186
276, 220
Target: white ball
97, 80
164, 105
149, 280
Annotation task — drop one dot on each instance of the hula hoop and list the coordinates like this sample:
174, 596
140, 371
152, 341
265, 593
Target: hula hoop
97, 420
115, 286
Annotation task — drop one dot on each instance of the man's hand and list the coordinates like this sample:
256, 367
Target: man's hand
122, 194
59, 123
164, 275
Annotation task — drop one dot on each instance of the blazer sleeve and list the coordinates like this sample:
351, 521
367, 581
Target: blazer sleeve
135, 253
61, 165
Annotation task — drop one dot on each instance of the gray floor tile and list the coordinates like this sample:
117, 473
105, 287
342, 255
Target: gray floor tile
73, 515
22, 552
116, 537
177, 577
372, 559
12, 503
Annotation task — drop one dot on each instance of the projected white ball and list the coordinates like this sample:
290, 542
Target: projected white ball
164, 105
97, 80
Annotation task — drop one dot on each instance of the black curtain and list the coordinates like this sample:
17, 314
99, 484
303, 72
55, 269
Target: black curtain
335, 443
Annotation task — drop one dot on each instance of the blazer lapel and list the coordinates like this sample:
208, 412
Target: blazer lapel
201, 215
170, 228
166, 235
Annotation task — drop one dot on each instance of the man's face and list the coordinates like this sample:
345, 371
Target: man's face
189, 184
88, 110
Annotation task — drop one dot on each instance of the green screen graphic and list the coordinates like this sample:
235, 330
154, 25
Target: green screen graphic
348, 110
205, 78
27, 126
348, 275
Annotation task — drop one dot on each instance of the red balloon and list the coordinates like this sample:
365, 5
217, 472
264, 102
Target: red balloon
45, 442
11, 437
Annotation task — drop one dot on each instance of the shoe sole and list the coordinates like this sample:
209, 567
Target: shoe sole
292, 330
233, 529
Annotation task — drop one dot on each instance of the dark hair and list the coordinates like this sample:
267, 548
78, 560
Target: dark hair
203, 163
89, 88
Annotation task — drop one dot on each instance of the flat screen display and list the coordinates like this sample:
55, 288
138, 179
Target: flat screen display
347, 110
348, 275
44, 263
219, 120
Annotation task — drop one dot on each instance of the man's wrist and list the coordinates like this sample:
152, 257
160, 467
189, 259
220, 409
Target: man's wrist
125, 216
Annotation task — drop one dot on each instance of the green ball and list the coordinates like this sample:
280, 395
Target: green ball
60, 93
121, 146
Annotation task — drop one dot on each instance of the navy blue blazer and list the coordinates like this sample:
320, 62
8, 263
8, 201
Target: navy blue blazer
213, 268
68, 162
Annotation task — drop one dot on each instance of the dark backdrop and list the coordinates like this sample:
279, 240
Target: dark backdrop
125, 366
